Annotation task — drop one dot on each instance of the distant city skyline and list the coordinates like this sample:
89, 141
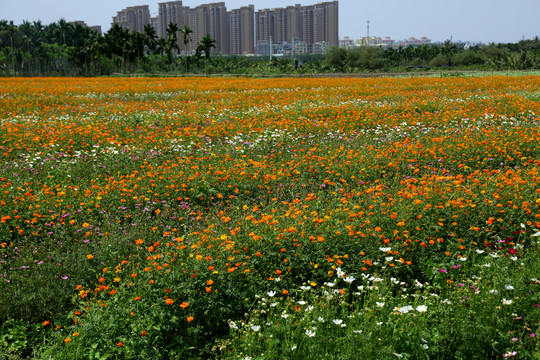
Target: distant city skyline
464, 20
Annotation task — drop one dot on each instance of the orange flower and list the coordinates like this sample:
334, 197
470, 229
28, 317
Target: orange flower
190, 318
137, 298
169, 301
285, 292
119, 344
46, 322
66, 340
89, 256
208, 289
143, 333
184, 305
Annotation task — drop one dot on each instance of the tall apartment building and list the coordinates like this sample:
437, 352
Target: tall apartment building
314, 24
242, 30
211, 19
133, 18
170, 12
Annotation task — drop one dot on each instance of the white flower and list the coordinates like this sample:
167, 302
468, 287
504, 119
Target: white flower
278, 279
233, 325
255, 328
385, 249
509, 287
421, 308
305, 287
506, 302
522, 225
339, 272
380, 304
462, 258
357, 331
310, 308
293, 348
513, 258
301, 302
320, 319
310, 333
349, 279
398, 355
480, 251
273, 304
271, 293
536, 234
284, 315
404, 309
510, 354
329, 284
379, 323
337, 321
425, 346
361, 287
389, 258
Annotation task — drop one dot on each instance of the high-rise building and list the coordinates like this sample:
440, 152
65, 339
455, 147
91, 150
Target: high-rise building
133, 18
242, 30
170, 12
211, 19
313, 24
295, 28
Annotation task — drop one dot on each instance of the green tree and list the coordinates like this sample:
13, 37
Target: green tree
335, 58
206, 44
186, 36
151, 38
172, 40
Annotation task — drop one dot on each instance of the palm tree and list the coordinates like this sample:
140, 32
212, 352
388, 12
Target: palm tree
205, 45
172, 40
186, 35
151, 37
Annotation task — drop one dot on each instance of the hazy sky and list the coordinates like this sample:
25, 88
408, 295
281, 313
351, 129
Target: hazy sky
467, 20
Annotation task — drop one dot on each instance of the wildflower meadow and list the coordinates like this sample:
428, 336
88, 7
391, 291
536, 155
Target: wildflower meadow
292, 218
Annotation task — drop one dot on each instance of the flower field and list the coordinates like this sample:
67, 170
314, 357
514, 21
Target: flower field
270, 218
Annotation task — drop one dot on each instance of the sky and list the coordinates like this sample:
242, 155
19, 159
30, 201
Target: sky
498, 21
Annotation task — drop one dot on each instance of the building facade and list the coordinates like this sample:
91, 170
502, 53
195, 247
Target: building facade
242, 30
133, 18
316, 26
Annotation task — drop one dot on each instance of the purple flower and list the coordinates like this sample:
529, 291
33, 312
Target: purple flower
443, 270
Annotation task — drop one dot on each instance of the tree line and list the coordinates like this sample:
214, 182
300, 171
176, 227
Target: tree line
71, 49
